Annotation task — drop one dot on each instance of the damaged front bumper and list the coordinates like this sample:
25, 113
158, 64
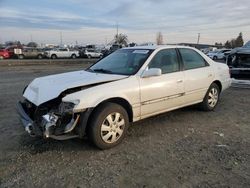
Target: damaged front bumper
48, 125
27, 122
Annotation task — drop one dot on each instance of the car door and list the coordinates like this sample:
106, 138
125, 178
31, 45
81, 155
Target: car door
164, 92
198, 75
59, 52
65, 53
33, 53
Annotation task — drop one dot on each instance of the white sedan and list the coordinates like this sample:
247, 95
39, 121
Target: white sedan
129, 85
215, 55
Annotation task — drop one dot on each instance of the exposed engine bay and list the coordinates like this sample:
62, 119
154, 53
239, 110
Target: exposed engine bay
51, 119
54, 119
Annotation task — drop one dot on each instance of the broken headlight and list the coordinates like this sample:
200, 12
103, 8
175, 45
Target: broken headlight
66, 107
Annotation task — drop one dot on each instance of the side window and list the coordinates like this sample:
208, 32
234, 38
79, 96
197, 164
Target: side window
191, 59
166, 60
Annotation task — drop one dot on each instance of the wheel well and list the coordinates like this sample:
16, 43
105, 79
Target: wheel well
218, 83
124, 103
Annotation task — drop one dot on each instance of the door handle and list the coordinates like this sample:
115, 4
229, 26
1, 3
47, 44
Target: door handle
179, 81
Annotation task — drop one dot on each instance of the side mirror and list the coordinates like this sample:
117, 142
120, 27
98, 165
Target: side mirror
151, 72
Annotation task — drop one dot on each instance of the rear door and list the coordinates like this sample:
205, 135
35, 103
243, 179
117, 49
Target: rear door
198, 75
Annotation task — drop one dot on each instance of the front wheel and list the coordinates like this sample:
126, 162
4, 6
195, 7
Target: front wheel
73, 56
108, 125
53, 56
211, 98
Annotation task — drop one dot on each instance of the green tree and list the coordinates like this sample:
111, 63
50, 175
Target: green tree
218, 44
228, 44
159, 38
32, 44
234, 43
239, 40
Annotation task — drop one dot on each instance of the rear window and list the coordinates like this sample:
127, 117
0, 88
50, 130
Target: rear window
191, 59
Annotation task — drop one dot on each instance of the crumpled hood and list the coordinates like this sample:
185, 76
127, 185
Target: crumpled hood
46, 88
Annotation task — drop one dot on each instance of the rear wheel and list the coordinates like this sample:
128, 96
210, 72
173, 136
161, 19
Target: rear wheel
215, 58
108, 125
21, 56
211, 99
89, 56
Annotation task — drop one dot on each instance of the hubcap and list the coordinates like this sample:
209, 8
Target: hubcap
112, 127
213, 97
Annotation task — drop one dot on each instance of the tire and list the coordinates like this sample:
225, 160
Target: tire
89, 56
73, 56
104, 130
21, 56
211, 98
53, 56
215, 58
39, 56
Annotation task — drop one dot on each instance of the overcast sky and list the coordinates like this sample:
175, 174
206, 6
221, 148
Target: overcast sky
92, 21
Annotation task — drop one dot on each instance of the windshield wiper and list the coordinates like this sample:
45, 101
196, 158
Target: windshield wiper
102, 70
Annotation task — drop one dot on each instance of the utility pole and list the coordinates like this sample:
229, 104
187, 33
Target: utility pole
117, 29
61, 38
198, 38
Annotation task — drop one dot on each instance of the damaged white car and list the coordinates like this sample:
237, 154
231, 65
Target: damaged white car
129, 85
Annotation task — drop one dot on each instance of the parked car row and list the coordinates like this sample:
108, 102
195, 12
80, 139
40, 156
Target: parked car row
39, 53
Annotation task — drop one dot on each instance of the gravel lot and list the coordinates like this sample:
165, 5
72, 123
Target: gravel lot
183, 148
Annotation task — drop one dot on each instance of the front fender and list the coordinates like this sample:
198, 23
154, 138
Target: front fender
127, 89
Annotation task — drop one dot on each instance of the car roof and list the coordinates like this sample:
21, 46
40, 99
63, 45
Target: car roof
154, 47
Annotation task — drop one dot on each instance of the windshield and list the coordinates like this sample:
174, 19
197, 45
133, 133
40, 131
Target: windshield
123, 61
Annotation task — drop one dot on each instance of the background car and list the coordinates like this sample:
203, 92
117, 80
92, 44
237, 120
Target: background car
91, 53
218, 54
4, 54
239, 64
29, 52
61, 53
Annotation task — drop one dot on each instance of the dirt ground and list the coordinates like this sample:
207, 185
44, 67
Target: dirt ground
183, 148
